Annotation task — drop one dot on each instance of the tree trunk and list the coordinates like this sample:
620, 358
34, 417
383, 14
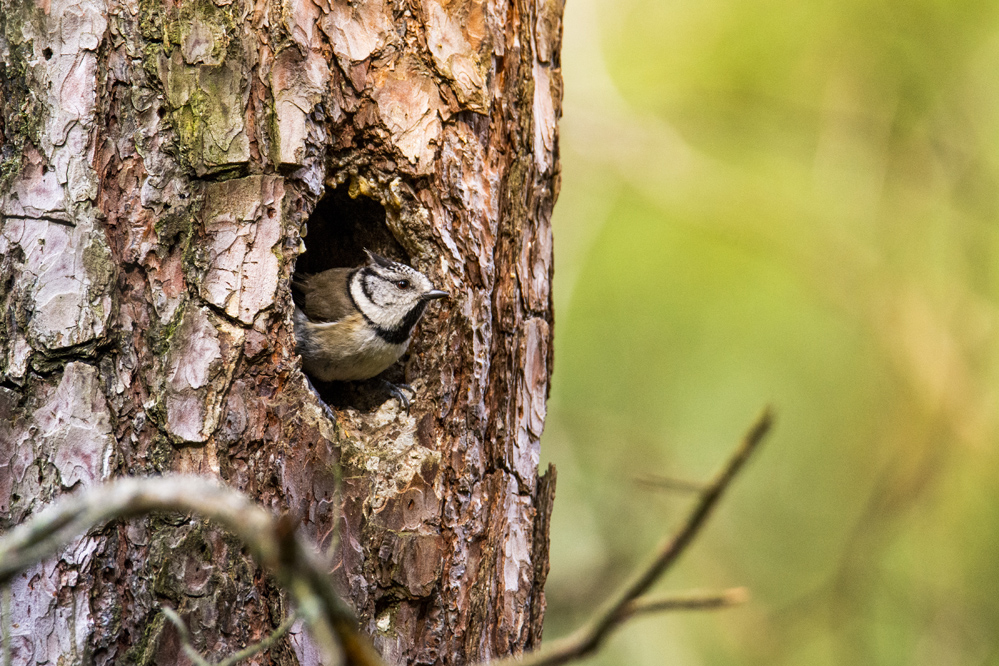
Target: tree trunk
161, 163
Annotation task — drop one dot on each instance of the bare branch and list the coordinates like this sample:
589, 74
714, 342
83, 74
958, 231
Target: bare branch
185, 637
658, 482
691, 601
71, 516
586, 639
272, 541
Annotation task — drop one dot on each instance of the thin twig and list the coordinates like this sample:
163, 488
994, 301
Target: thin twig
315, 591
197, 659
686, 602
657, 482
296, 565
265, 643
586, 639
185, 637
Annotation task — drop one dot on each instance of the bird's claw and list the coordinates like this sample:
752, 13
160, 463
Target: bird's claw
396, 391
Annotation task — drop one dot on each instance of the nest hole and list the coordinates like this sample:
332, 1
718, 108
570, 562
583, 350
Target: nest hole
341, 228
338, 232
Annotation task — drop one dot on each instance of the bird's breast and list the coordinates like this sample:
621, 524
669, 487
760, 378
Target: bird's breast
344, 350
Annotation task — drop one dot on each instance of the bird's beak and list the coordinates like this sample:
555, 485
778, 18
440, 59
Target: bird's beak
434, 294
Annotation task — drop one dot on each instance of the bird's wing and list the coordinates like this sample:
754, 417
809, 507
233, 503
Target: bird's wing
324, 297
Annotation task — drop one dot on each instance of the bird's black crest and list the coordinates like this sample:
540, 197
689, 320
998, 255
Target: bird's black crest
379, 260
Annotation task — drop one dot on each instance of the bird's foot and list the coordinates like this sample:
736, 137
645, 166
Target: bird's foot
396, 391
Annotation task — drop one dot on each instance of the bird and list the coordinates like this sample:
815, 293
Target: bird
354, 323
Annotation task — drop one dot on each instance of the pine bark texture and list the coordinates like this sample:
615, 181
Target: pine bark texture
158, 163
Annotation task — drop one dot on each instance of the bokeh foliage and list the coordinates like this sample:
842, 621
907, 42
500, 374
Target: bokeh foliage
791, 203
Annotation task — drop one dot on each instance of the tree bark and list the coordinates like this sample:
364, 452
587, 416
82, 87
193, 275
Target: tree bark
160, 164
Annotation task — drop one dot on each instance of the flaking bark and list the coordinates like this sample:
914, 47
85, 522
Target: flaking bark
158, 163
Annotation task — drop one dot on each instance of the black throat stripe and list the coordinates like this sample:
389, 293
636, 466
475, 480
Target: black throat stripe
399, 334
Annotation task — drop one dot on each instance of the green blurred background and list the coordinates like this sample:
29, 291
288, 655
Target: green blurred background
791, 203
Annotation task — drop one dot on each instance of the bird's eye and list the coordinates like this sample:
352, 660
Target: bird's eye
402, 284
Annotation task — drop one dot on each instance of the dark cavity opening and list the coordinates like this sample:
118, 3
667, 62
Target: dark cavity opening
47, 53
341, 228
337, 233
